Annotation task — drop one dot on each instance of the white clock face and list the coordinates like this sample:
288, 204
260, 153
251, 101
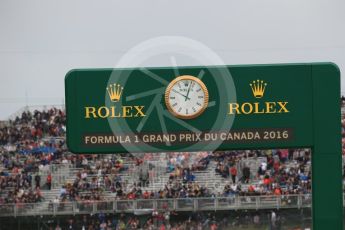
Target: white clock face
186, 97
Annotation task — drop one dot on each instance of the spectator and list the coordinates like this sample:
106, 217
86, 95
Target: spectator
37, 180
246, 174
49, 181
233, 172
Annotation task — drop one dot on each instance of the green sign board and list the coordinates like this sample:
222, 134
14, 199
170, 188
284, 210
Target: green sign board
214, 108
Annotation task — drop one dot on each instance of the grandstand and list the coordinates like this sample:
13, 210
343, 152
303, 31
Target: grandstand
40, 177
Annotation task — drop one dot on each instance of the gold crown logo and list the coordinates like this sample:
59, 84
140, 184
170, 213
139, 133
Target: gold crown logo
258, 88
115, 92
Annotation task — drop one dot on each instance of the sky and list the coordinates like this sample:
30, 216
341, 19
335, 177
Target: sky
41, 40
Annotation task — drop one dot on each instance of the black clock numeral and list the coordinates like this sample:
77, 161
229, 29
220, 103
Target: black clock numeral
200, 96
179, 110
172, 98
194, 109
186, 111
173, 105
198, 90
198, 104
179, 85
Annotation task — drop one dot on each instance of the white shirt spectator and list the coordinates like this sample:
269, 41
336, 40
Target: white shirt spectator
84, 162
83, 175
263, 166
56, 200
273, 218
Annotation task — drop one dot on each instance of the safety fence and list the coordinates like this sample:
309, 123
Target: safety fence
146, 206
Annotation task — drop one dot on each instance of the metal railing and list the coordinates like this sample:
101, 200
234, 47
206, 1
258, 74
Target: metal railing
145, 206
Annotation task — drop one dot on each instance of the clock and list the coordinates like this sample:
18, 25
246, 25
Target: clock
186, 97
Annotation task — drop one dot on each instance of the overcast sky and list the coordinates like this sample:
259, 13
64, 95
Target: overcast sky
40, 41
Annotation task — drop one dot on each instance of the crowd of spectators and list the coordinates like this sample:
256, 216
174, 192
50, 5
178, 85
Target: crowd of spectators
33, 126
31, 143
170, 220
35, 140
98, 174
280, 172
28, 145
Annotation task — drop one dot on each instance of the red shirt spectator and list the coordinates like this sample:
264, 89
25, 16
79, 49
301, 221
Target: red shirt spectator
233, 171
267, 181
131, 196
277, 191
146, 195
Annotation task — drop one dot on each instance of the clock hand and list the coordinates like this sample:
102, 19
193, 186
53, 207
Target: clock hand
190, 84
181, 94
